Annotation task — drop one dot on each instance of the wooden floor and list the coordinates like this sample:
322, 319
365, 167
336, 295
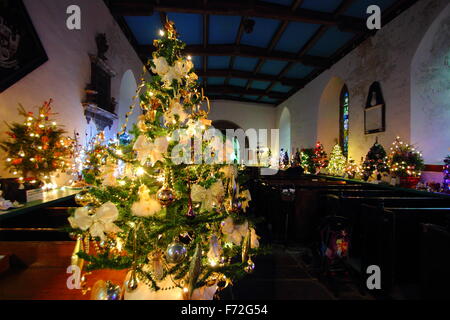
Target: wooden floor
39, 272
279, 276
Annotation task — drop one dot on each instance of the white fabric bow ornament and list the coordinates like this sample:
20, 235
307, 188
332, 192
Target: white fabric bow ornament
154, 150
208, 197
236, 232
98, 224
182, 68
147, 205
176, 109
161, 66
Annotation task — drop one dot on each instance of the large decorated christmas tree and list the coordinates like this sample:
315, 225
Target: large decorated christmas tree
177, 223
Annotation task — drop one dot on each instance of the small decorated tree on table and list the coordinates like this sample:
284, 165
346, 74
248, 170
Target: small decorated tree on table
306, 160
37, 147
296, 159
446, 183
337, 163
375, 162
319, 158
406, 163
284, 159
353, 169
177, 223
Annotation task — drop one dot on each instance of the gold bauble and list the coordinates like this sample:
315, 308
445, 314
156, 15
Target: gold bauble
250, 266
165, 196
83, 199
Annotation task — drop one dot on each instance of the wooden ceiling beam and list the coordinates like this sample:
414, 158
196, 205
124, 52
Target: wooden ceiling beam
236, 43
229, 73
254, 52
313, 40
240, 99
245, 51
276, 37
242, 90
386, 17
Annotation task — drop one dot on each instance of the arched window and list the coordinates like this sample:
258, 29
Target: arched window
344, 121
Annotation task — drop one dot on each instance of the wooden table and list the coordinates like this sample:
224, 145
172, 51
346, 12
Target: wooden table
51, 198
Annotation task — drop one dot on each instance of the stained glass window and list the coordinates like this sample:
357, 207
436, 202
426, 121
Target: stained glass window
344, 120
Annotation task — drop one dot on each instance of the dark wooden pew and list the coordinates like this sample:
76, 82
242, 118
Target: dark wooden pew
391, 240
434, 262
351, 207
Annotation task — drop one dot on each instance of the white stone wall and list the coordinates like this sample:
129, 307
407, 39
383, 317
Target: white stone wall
67, 72
430, 91
387, 58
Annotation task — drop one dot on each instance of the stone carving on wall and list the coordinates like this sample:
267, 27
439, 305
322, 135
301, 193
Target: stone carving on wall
99, 106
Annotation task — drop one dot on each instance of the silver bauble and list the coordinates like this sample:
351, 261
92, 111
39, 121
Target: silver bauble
105, 291
176, 253
132, 283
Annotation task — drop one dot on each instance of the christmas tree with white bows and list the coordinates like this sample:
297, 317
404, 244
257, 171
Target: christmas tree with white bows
170, 207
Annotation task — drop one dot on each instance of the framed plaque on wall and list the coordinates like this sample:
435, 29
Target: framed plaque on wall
21, 50
375, 110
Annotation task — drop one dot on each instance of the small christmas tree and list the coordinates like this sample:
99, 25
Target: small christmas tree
446, 184
405, 160
284, 159
37, 147
353, 170
319, 158
376, 160
94, 158
306, 160
296, 159
337, 163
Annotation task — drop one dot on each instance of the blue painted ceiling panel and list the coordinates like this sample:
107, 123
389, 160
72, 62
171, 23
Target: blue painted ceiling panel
238, 82
299, 71
281, 88
245, 63
198, 62
321, 5
269, 100
145, 29
331, 41
359, 8
295, 36
216, 81
251, 97
273, 67
261, 85
263, 32
223, 29
189, 26
280, 2
218, 62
